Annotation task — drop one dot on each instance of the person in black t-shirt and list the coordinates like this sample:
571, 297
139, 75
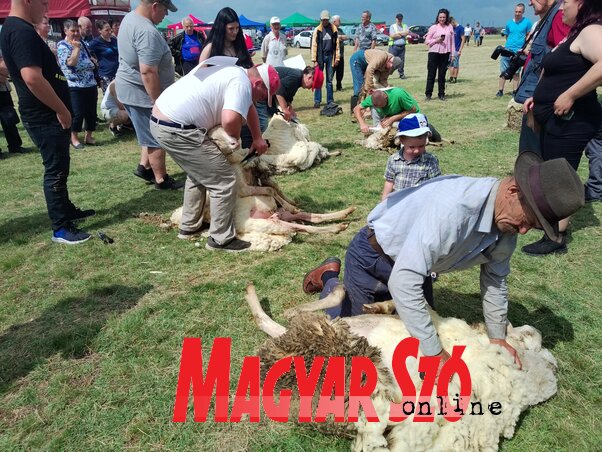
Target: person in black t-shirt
291, 79
44, 106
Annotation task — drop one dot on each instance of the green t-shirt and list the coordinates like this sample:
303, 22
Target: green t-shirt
398, 100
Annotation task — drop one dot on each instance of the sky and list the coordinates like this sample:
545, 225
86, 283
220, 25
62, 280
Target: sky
422, 12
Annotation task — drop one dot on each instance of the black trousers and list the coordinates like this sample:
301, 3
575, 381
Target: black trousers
436, 66
11, 133
83, 102
339, 71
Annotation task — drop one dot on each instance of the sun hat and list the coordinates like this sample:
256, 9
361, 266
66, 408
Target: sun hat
552, 189
270, 79
274, 20
413, 125
325, 15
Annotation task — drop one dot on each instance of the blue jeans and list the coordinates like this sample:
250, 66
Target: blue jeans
326, 66
366, 277
358, 68
53, 142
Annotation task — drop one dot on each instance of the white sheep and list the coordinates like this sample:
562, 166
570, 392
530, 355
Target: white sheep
495, 376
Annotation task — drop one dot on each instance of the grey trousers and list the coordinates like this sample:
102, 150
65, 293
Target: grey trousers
399, 51
207, 170
593, 151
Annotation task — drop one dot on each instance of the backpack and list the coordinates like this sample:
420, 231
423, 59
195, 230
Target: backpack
331, 109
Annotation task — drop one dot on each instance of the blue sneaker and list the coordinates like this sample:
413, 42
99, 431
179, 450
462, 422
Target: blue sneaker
70, 235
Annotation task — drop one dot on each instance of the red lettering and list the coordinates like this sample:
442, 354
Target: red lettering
191, 373
334, 381
307, 384
249, 380
362, 368
428, 365
278, 412
452, 366
406, 348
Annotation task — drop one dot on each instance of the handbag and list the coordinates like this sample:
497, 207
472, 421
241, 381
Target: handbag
96, 74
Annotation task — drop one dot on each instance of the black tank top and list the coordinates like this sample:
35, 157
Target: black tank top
563, 69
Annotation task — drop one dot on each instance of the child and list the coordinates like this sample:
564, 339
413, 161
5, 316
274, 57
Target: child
412, 165
113, 111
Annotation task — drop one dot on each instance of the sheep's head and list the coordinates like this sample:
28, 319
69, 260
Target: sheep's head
223, 141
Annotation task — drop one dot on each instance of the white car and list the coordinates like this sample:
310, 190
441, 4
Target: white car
302, 39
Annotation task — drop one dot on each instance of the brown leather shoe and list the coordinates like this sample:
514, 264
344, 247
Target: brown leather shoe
312, 282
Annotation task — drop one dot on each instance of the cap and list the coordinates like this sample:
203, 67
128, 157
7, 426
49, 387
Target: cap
275, 20
413, 125
399, 16
325, 15
168, 4
318, 78
270, 79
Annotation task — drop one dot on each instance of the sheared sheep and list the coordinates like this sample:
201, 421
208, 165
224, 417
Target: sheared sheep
383, 139
494, 375
514, 115
263, 215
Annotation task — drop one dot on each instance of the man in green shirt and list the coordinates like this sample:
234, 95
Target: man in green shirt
389, 105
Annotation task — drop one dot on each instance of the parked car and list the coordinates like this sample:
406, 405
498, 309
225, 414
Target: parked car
382, 39
302, 39
417, 33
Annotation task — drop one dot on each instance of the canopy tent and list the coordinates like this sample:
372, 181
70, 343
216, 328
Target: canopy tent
248, 23
298, 20
164, 24
178, 25
57, 9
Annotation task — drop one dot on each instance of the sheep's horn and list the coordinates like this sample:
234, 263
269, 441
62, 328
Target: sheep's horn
263, 321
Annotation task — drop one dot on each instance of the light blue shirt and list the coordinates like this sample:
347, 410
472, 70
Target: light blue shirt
517, 32
443, 225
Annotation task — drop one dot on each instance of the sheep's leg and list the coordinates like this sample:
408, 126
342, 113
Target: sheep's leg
380, 307
334, 298
315, 217
330, 229
334, 153
263, 321
252, 190
267, 182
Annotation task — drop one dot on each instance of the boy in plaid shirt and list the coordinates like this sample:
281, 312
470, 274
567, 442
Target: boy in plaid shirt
412, 165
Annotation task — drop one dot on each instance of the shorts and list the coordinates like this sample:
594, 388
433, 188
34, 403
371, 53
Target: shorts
504, 63
109, 115
140, 117
455, 61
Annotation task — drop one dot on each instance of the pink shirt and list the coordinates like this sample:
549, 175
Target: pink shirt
432, 39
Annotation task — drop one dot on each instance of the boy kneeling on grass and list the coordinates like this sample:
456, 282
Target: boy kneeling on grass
412, 165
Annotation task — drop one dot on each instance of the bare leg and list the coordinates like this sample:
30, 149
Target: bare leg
334, 298
75, 138
263, 321
156, 158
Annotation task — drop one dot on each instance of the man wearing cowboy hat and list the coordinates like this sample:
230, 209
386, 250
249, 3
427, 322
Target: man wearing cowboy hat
450, 223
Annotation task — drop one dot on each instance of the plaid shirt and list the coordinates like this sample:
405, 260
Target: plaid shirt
406, 174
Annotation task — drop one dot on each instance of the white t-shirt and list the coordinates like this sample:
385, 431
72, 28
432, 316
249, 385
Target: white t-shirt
467, 31
200, 96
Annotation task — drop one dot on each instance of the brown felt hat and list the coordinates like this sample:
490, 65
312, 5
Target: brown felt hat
551, 188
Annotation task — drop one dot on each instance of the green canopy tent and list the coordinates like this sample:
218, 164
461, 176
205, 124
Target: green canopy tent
162, 26
298, 20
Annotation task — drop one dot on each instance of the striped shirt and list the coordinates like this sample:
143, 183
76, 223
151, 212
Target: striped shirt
404, 173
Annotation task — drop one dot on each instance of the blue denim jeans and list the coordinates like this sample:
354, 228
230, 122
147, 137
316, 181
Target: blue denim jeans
365, 279
358, 68
53, 142
326, 66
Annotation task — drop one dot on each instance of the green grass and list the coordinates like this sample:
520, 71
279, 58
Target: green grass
90, 338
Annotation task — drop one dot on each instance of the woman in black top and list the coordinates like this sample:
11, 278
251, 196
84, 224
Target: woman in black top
565, 103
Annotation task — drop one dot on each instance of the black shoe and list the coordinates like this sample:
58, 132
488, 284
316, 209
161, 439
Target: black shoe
339, 88
114, 131
233, 246
500, 93
427, 98
316, 104
19, 150
145, 173
79, 214
189, 235
1, 155
169, 183
402, 77
442, 98
546, 246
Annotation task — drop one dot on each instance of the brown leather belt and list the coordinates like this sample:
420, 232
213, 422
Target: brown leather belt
371, 237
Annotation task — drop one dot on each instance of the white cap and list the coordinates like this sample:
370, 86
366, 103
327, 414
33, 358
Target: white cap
275, 20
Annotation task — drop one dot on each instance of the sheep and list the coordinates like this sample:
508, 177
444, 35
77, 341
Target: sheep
263, 215
383, 139
514, 115
290, 148
494, 375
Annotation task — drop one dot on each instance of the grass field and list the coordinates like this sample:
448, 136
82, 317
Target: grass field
90, 336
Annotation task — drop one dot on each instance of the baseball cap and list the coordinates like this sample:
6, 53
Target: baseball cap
325, 15
399, 16
168, 4
270, 79
318, 78
275, 20
413, 125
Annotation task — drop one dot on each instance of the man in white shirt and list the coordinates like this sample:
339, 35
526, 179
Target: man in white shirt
222, 94
273, 47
